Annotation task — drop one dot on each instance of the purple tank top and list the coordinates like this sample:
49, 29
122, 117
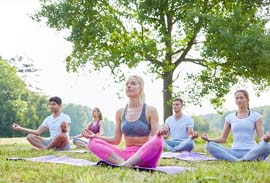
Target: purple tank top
94, 127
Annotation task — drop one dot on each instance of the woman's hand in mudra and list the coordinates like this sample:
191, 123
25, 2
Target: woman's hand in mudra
205, 137
88, 134
163, 130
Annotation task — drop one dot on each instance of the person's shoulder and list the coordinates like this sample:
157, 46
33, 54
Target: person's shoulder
188, 118
119, 111
47, 120
49, 117
64, 114
170, 118
66, 117
150, 108
255, 113
230, 116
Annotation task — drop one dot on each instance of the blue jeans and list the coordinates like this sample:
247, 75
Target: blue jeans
179, 145
260, 151
75, 140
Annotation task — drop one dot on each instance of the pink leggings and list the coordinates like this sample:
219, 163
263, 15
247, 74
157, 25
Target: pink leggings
149, 152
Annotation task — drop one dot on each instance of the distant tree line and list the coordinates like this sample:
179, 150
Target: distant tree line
21, 105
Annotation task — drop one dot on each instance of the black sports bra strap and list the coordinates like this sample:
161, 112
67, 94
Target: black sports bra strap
236, 113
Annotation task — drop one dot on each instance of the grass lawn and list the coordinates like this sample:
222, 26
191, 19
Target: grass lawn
211, 171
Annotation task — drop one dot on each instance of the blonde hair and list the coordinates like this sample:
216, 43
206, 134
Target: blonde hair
141, 83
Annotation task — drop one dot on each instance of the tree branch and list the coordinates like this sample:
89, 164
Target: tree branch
178, 51
176, 77
185, 50
196, 61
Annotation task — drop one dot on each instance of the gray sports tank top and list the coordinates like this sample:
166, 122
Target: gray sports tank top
138, 128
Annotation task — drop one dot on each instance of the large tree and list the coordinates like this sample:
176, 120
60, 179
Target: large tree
228, 39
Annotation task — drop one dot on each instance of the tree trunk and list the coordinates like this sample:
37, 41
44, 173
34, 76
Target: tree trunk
167, 95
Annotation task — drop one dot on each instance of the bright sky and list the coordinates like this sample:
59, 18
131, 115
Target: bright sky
21, 36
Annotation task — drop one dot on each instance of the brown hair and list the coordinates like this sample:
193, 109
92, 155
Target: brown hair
179, 100
99, 113
245, 94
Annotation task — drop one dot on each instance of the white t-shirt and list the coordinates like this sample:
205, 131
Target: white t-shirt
179, 129
54, 124
243, 130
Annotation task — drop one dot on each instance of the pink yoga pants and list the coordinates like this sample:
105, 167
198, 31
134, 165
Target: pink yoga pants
149, 152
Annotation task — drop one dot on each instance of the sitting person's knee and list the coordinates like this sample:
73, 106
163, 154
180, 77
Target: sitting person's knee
93, 142
75, 140
61, 137
30, 137
158, 140
59, 142
210, 146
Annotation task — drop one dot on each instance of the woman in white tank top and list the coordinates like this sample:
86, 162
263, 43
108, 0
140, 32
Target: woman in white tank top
243, 124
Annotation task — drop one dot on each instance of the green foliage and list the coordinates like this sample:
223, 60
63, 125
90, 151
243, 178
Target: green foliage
12, 107
80, 116
200, 124
227, 38
36, 111
109, 127
265, 111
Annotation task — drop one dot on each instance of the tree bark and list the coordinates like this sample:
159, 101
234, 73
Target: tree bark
167, 95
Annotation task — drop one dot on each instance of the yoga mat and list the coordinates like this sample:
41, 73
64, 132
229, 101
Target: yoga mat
61, 160
81, 151
187, 156
82, 162
163, 169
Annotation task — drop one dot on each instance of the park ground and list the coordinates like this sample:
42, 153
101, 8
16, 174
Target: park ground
204, 171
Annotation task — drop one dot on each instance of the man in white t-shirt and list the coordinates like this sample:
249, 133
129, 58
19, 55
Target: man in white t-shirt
180, 129
58, 124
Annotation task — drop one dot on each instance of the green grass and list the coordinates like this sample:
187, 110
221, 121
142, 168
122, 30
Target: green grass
24, 171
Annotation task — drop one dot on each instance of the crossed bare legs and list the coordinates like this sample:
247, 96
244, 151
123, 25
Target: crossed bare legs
59, 142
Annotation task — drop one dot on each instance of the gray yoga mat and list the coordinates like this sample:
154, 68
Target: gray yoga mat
187, 156
82, 162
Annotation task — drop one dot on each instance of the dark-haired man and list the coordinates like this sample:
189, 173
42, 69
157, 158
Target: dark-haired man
180, 129
57, 140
